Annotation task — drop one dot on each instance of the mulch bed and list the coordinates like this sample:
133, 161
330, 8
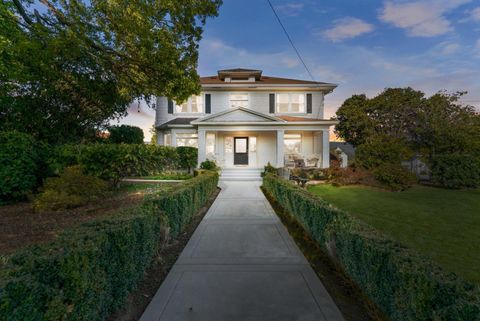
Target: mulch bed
139, 299
20, 226
351, 301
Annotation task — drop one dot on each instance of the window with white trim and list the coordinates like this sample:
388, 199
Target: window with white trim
238, 100
210, 145
293, 103
292, 143
190, 140
192, 105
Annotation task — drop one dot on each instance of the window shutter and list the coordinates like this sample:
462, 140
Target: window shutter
309, 103
170, 106
208, 103
272, 103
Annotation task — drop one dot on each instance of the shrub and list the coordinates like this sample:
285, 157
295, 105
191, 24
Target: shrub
114, 162
209, 165
187, 157
269, 169
125, 134
72, 189
379, 150
20, 164
88, 271
404, 285
394, 176
456, 171
350, 176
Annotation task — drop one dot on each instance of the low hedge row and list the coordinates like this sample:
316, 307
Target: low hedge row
88, 271
113, 162
404, 285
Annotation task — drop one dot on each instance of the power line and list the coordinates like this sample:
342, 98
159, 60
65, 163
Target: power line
290, 40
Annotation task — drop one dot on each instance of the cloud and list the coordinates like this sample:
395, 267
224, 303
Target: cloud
216, 54
347, 28
475, 14
425, 18
448, 48
476, 50
290, 9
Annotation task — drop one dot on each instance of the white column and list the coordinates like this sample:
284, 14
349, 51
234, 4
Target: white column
280, 145
326, 149
160, 138
202, 146
173, 137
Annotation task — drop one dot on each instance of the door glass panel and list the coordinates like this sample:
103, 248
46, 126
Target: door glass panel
240, 145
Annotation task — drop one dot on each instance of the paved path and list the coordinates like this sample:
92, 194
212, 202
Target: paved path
241, 265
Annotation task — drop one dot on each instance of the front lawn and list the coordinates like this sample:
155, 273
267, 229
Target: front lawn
439, 223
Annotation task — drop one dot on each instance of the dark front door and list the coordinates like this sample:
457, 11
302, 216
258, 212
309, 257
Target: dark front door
240, 151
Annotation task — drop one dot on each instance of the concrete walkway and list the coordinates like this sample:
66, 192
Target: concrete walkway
241, 264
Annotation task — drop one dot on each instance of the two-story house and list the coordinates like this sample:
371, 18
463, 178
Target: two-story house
244, 120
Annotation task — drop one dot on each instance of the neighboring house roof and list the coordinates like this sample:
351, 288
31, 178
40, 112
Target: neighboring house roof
345, 147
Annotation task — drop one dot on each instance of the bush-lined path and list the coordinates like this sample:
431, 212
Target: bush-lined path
241, 264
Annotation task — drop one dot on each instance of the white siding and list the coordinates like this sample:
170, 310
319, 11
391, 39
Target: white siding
258, 101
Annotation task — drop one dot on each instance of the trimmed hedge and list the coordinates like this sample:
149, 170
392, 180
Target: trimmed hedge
115, 161
89, 270
404, 285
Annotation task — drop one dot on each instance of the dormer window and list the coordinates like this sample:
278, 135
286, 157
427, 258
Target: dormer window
293, 103
239, 100
192, 105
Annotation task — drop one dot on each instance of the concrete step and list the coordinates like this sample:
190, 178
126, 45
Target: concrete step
241, 174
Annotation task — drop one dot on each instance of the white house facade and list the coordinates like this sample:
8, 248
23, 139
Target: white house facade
244, 120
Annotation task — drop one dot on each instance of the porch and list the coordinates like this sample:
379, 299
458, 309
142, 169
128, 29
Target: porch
231, 148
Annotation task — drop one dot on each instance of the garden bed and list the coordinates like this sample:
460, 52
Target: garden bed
20, 226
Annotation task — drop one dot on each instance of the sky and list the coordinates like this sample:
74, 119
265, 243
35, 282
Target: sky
364, 46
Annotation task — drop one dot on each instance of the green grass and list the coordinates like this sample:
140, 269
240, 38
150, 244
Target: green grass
170, 176
439, 223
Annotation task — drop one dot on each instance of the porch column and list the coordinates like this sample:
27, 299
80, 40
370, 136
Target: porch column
326, 149
280, 152
160, 139
173, 137
202, 146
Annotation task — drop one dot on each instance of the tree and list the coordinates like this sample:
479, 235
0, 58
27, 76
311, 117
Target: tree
153, 131
76, 65
390, 113
125, 134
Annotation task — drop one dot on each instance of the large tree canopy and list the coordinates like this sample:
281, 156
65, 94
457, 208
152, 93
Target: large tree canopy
72, 65
433, 125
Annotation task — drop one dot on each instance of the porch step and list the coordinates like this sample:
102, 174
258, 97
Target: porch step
241, 174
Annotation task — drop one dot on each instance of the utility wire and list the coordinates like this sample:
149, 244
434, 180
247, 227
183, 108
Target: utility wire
290, 40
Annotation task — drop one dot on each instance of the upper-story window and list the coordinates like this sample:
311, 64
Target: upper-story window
192, 105
239, 100
290, 103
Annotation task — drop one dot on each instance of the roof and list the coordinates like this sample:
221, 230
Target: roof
297, 119
178, 121
240, 70
347, 148
265, 80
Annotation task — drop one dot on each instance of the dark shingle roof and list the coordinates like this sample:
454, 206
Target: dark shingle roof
345, 147
178, 121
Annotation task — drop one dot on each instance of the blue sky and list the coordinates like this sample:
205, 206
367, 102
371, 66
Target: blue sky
363, 46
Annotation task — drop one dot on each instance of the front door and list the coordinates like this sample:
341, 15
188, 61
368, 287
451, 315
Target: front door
240, 151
